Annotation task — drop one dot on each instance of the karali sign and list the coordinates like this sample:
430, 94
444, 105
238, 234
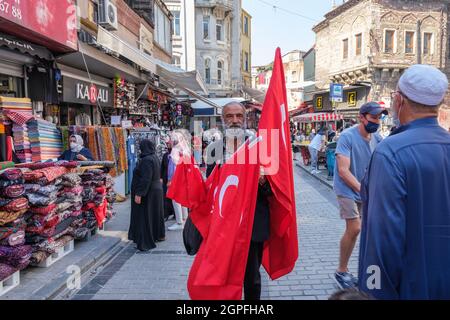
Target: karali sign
82, 92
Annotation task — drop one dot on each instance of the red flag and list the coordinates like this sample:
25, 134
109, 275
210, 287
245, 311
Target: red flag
281, 250
201, 214
187, 186
219, 267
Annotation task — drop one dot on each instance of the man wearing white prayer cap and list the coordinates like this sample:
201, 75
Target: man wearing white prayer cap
405, 235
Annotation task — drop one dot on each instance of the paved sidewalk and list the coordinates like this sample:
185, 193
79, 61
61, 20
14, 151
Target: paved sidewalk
162, 274
322, 176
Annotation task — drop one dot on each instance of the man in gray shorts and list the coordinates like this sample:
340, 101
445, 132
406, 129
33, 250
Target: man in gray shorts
354, 150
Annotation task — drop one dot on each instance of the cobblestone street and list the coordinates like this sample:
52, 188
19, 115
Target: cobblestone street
162, 274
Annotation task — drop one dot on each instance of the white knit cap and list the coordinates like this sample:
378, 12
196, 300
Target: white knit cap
424, 84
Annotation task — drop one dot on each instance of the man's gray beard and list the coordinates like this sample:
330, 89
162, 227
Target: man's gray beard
231, 133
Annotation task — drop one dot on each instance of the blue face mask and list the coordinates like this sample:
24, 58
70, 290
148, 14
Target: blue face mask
372, 127
396, 117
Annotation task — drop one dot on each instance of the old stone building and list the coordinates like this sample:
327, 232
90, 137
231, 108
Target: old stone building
367, 44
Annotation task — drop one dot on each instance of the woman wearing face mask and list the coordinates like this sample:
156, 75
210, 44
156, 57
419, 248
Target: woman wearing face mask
77, 151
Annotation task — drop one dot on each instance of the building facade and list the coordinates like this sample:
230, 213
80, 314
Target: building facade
366, 45
217, 25
183, 33
246, 48
293, 72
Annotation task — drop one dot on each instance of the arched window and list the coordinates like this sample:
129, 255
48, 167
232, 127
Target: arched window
219, 72
208, 71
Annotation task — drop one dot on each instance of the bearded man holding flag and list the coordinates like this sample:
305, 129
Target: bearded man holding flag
247, 219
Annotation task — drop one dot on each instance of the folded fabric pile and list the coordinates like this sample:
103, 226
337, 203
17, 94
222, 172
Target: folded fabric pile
22, 143
50, 214
48, 164
97, 187
13, 206
45, 140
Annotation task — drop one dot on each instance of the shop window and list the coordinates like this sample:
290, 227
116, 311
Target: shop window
219, 72
427, 43
358, 42
409, 42
208, 71
205, 28
219, 30
389, 41
11, 87
345, 48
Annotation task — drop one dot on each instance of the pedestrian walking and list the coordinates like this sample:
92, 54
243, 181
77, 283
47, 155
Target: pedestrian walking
147, 210
405, 238
353, 152
168, 206
180, 151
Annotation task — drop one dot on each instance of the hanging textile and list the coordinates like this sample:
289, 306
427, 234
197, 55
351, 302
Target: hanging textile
122, 163
92, 142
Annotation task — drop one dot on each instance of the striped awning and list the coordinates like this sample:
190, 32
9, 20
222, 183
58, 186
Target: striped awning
319, 117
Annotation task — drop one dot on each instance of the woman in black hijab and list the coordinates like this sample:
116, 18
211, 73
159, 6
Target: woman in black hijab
147, 209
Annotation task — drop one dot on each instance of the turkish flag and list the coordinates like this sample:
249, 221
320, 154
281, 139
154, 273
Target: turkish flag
201, 214
281, 250
219, 267
187, 186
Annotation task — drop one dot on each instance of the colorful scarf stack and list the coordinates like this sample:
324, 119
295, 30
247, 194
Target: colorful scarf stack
45, 140
50, 217
16, 107
13, 207
22, 143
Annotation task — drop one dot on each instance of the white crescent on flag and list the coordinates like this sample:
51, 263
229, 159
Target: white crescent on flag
283, 120
229, 182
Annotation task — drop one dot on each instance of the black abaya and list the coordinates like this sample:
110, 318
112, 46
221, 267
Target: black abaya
147, 219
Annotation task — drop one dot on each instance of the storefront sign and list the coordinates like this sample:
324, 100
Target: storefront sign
351, 98
55, 20
127, 124
336, 92
319, 103
115, 120
82, 92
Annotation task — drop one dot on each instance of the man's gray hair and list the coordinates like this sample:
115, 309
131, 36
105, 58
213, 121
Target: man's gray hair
232, 103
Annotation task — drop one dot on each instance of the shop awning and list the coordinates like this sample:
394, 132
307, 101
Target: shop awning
172, 76
204, 108
257, 95
24, 46
318, 117
114, 43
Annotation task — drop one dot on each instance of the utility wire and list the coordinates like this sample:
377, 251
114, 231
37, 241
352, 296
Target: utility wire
288, 11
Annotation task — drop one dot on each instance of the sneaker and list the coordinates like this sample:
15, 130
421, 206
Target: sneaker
345, 280
175, 227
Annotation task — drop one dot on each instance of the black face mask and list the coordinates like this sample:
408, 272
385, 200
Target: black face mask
371, 127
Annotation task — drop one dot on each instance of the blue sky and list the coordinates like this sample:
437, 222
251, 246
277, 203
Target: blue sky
272, 28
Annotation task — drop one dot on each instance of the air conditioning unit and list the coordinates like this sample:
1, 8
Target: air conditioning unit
107, 15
